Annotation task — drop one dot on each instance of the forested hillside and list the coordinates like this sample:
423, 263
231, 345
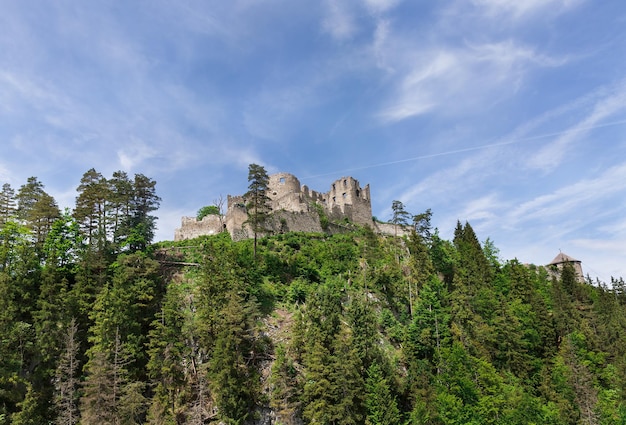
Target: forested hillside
99, 325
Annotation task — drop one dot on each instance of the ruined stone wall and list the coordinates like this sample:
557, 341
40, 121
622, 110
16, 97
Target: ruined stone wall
390, 229
346, 198
192, 228
313, 196
236, 217
287, 221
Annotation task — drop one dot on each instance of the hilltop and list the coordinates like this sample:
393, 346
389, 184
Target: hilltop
99, 325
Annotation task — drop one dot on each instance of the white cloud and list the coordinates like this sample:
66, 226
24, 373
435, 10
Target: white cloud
482, 208
379, 6
515, 9
551, 155
458, 79
339, 21
169, 219
134, 153
380, 40
21, 92
453, 181
572, 200
416, 93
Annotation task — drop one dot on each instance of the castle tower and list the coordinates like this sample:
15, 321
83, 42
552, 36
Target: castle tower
346, 198
561, 259
285, 193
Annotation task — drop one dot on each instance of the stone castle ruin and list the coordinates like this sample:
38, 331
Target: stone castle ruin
294, 208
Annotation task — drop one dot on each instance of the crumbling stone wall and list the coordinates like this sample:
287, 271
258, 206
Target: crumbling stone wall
347, 199
191, 227
293, 209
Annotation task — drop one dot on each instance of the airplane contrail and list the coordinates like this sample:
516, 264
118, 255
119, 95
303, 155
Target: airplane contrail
473, 148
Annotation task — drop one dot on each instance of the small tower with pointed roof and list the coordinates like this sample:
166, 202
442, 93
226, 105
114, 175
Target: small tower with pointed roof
561, 259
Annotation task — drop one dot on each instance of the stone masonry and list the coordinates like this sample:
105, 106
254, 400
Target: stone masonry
294, 208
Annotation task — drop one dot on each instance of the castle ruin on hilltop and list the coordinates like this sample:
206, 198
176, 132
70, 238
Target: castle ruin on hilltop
294, 208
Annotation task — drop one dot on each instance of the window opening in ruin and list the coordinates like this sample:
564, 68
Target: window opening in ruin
333, 187
358, 192
274, 193
344, 194
334, 200
345, 183
282, 181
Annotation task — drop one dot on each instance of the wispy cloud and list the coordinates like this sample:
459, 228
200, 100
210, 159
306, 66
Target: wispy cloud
459, 78
380, 6
482, 208
134, 153
514, 9
571, 200
449, 182
339, 21
25, 93
611, 102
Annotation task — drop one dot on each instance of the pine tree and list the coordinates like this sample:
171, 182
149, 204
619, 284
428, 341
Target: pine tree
257, 201
170, 348
7, 204
27, 197
91, 211
229, 375
66, 379
333, 386
400, 217
37, 210
41, 219
285, 386
137, 230
110, 396
121, 206
362, 321
382, 408
64, 243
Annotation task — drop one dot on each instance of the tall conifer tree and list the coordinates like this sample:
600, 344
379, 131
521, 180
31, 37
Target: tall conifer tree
257, 201
7, 203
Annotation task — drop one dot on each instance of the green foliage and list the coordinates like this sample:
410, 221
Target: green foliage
321, 213
207, 210
232, 382
382, 408
63, 245
400, 216
348, 328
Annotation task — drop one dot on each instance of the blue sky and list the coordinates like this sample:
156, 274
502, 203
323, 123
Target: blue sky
508, 114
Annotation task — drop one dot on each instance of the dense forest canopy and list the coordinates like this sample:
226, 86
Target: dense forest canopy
99, 325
